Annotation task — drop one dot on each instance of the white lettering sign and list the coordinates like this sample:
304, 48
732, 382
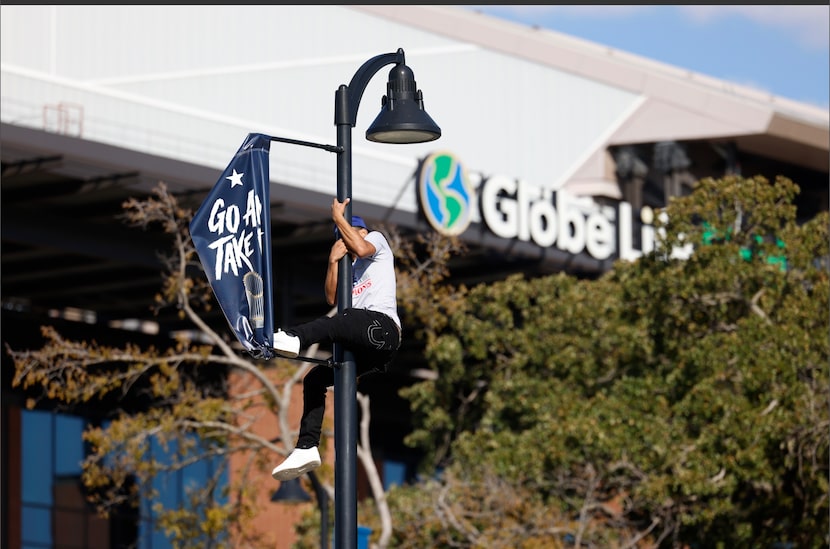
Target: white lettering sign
513, 209
235, 231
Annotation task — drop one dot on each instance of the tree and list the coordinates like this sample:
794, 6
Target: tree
199, 402
671, 402
422, 268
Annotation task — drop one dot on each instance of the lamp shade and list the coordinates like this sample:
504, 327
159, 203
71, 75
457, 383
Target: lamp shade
291, 491
402, 117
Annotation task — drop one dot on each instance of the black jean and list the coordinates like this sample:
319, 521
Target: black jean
372, 337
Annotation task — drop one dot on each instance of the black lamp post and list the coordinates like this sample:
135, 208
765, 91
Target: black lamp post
402, 120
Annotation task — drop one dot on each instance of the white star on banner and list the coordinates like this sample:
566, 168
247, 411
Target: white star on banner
236, 178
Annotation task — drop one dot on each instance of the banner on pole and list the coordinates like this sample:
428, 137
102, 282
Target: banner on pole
232, 234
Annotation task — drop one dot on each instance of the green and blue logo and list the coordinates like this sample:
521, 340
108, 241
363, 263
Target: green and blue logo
445, 194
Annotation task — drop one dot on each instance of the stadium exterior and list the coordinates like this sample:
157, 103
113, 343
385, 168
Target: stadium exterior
562, 148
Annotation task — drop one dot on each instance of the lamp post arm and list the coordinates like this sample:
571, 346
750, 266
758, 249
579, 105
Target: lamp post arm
329, 148
345, 108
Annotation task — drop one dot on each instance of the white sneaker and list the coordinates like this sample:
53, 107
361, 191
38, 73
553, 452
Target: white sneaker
299, 462
286, 345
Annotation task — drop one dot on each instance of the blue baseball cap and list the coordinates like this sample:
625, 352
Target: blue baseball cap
357, 221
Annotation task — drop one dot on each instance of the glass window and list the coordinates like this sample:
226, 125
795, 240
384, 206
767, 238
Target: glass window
36, 470
394, 472
69, 444
37, 526
36, 457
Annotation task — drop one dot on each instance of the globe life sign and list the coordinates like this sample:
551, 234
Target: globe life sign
513, 209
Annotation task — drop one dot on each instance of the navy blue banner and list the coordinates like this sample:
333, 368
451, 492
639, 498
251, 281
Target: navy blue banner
232, 234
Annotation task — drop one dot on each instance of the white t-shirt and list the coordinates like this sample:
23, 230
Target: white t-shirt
374, 284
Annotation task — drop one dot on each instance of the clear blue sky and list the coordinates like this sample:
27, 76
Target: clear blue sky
783, 50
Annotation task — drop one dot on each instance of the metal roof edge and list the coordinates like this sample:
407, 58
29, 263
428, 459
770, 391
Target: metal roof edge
585, 58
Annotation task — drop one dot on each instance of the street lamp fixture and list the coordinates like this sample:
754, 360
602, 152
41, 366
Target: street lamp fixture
290, 491
402, 120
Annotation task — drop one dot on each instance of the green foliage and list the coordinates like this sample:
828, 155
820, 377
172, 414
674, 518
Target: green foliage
672, 401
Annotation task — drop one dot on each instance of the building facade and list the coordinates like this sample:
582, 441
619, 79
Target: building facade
561, 148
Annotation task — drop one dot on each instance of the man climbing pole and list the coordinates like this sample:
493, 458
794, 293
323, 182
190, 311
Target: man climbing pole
370, 329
